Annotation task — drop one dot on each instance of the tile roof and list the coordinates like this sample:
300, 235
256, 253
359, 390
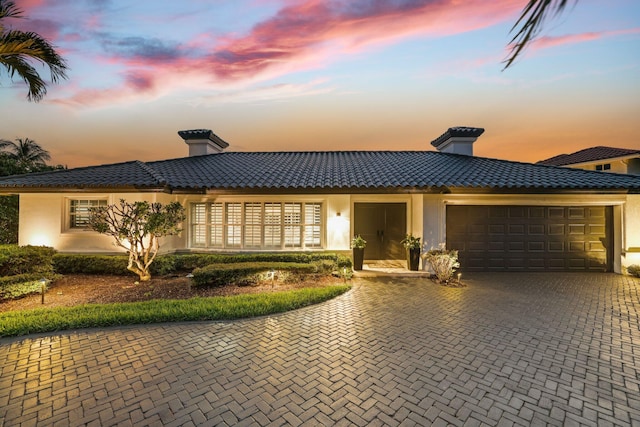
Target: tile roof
323, 171
592, 154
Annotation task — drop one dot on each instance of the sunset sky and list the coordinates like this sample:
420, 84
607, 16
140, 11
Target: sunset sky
283, 75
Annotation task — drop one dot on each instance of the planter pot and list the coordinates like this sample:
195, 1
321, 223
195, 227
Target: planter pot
358, 258
413, 259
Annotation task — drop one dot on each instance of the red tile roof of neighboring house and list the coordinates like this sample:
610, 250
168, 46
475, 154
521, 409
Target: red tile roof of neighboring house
588, 155
331, 171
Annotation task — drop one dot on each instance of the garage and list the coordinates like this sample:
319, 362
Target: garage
531, 238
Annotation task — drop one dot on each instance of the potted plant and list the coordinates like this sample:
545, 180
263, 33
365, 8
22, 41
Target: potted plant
412, 245
358, 244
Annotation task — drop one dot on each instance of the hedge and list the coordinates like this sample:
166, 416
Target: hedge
108, 264
188, 262
246, 272
167, 264
25, 259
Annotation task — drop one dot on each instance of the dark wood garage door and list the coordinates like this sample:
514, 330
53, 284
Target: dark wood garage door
530, 238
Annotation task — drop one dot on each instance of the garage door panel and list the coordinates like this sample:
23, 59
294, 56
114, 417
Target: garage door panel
516, 229
476, 246
556, 230
556, 264
517, 212
516, 246
536, 246
530, 238
576, 213
497, 212
554, 246
536, 212
595, 247
536, 264
556, 213
577, 246
497, 229
577, 263
534, 229
577, 229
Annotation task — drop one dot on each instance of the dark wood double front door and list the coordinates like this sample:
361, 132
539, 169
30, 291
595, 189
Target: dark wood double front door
383, 226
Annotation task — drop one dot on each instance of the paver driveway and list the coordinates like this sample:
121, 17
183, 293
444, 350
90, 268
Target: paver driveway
508, 349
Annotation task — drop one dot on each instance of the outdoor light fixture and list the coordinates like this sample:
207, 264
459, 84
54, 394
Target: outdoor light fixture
43, 289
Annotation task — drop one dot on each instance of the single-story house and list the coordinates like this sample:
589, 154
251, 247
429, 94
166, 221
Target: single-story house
501, 215
605, 159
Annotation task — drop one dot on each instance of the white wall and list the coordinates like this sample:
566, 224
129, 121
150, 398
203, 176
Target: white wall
44, 219
617, 166
631, 231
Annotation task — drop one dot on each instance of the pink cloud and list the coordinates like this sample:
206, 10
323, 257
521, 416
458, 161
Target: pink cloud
315, 28
300, 36
547, 42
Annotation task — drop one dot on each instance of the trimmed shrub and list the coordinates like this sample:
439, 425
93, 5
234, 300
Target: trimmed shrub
245, 272
25, 259
91, 264
188, 262
168, 264
163, 265
634, 270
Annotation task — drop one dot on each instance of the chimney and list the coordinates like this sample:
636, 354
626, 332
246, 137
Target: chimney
202, 141
457, 140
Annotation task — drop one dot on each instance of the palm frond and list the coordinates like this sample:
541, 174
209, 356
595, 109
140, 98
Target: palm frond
530, 23
18, 49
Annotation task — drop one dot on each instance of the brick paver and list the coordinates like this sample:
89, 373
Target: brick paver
509, 349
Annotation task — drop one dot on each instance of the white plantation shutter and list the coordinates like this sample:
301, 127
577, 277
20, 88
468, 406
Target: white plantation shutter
252, 225
312, 221
273, 225
292, 225
216, 229
234, 224
199, 224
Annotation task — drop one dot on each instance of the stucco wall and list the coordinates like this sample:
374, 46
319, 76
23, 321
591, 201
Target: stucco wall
617, 166
631, 224
44, 219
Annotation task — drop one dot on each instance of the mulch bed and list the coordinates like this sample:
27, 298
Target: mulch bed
76, 289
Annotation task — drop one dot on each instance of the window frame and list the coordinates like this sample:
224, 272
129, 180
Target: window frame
271, 236
69, 216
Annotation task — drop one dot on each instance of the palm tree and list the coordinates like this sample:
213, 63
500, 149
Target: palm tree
25, 152
18, 49
533, 16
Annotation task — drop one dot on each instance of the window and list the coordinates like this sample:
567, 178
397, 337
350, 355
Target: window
603, 167
79, 212
312, 219
234, 224
256, 225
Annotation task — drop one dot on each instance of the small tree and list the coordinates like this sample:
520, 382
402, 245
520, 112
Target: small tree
137, 228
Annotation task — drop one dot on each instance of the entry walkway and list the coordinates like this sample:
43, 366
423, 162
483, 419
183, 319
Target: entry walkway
509, 349
390, 268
